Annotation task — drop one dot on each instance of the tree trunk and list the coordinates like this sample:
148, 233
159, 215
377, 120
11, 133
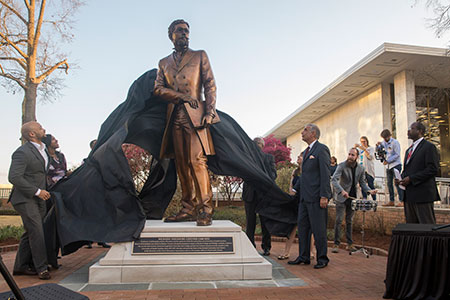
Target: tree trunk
29, 103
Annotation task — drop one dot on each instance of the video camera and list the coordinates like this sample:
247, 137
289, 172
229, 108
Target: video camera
380, 153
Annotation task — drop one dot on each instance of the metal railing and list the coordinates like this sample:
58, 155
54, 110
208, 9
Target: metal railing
443, 186
5, 192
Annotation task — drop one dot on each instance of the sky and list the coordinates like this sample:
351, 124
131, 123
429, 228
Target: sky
268, 58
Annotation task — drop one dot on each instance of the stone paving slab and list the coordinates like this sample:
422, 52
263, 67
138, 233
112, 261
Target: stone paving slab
113, 287
181, 285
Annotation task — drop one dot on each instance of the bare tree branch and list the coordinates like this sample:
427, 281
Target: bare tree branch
49, 71
37, 33
13, 45
27, 4
11, 77
18, 42
13, 10
21, 62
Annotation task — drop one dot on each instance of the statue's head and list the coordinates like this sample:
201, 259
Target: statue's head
179, 34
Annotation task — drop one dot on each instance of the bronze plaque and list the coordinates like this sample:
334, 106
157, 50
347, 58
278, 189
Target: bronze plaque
183, 245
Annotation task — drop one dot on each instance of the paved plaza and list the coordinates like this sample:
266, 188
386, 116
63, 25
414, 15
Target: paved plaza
346, 277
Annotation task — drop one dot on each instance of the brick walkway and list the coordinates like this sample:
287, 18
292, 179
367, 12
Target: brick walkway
346, 277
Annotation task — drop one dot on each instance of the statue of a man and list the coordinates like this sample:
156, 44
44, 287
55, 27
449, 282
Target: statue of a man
181, 77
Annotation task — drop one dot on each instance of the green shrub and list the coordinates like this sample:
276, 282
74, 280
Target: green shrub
235, 214
8, 212
11, 231
284, 176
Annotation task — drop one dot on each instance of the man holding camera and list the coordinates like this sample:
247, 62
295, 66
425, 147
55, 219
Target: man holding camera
392, 161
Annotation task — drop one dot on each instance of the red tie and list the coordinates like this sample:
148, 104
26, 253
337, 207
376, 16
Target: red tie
410, 151
306, 152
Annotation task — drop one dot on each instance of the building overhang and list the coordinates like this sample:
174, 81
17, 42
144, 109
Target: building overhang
431, 66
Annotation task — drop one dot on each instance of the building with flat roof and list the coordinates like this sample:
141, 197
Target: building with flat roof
391, 88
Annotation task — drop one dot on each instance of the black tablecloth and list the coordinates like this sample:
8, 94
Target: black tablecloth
418, 263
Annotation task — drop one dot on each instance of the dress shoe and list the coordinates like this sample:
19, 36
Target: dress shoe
44, 275
180, 217
28, 271
266, 252
390, 203
400, 204
204, 219
299, 261
104, 245
320, 265
55, 267
283, 257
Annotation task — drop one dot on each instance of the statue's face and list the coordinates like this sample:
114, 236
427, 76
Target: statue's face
180, 36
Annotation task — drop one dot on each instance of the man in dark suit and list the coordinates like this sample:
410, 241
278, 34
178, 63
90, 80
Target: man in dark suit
315, 191
28, 176
183, 77
421, 167
249, 196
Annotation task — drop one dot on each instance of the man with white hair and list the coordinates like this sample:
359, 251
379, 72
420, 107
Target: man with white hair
315, 190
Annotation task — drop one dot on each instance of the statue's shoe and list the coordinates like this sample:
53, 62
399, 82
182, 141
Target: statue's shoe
204, 219
180, 217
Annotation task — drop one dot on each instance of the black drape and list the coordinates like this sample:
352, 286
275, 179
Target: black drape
98, 202
418, 263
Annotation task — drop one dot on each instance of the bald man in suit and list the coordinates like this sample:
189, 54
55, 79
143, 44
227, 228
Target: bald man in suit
27, 173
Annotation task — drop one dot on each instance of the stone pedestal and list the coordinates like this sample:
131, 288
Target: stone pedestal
120, 265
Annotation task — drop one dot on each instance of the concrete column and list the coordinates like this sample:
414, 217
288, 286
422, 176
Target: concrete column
405, 106
386, 105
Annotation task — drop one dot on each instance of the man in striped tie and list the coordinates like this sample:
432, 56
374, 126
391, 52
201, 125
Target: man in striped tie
421, 166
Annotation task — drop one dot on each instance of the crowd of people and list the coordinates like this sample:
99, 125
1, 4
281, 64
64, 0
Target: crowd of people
310, 184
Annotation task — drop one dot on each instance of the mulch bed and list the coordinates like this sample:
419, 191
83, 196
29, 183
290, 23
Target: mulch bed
9, 241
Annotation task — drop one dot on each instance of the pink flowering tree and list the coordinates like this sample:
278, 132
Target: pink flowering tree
139, 161
280, 152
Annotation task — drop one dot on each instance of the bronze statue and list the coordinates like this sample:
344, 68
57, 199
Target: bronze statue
180, 79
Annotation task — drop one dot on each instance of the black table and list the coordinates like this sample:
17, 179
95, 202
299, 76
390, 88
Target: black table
418, 263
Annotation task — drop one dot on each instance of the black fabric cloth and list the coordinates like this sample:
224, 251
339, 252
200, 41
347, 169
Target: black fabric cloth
98, 202
418, 264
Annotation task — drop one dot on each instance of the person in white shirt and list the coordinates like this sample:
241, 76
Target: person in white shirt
392, 162
366, 159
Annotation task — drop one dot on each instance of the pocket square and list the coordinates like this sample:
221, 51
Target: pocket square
312, 157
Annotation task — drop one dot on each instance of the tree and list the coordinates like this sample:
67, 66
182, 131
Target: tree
140, 162
29, 51
274, 146
440, 23
229, 186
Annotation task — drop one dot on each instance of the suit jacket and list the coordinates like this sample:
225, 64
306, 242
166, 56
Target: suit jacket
315, 179
422, 169
342, 180
248, 192
193, 74
27, 173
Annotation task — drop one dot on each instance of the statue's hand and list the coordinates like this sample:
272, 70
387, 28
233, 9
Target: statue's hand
192, 102
207, 120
